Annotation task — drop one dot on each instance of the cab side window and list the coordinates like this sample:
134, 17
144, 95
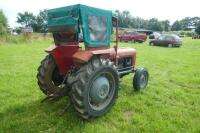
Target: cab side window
97, 28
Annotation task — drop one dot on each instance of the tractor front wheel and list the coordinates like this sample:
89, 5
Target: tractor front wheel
49, 79
140, 79
95, 89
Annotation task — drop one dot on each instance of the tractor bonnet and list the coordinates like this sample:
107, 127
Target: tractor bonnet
95, 24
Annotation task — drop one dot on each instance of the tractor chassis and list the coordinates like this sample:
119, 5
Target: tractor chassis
64, 91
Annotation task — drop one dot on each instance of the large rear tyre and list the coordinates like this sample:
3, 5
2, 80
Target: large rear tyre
95, 89
49, 79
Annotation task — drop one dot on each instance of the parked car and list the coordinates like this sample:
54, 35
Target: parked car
181, 35
167, 40
196, 37
133, 37
154, 35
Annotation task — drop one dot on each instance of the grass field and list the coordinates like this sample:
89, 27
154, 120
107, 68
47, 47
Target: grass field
171, 102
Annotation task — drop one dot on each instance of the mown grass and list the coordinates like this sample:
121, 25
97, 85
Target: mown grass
171, 102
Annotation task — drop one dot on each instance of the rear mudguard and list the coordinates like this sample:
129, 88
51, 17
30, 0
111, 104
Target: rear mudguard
84, 56
63, 56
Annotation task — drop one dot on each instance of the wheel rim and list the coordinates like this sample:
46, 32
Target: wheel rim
101, 91
143, 81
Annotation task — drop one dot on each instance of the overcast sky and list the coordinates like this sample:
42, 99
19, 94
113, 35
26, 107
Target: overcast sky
161, 9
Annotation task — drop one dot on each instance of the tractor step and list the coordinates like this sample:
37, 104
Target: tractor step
57, 95
51, 97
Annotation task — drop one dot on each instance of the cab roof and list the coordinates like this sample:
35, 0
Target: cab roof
78, 17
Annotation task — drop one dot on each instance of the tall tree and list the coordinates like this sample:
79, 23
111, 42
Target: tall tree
155, 25
26, 19
40, 24
120, 19
185, 23
197, 30
124, 18
3, 23
176, 26
195, 21
166, 25
127, 18
189, 22
138, 23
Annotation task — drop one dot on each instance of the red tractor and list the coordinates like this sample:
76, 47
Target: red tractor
89, 74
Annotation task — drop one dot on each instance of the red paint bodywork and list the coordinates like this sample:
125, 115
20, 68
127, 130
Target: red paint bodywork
63, 56
69, 56
132, 36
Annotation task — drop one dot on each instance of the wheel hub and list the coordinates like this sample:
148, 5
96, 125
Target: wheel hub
99, 90
143, 80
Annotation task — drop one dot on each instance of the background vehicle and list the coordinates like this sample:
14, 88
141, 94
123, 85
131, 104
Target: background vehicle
133, 37
167, 40
146, 32
89, 75
180, 35
154, 35
196, 37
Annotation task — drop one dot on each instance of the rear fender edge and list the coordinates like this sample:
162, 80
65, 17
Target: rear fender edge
82, 57
63, 57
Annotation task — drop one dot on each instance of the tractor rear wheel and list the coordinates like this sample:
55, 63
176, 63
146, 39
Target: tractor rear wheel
95, 89
49, 79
